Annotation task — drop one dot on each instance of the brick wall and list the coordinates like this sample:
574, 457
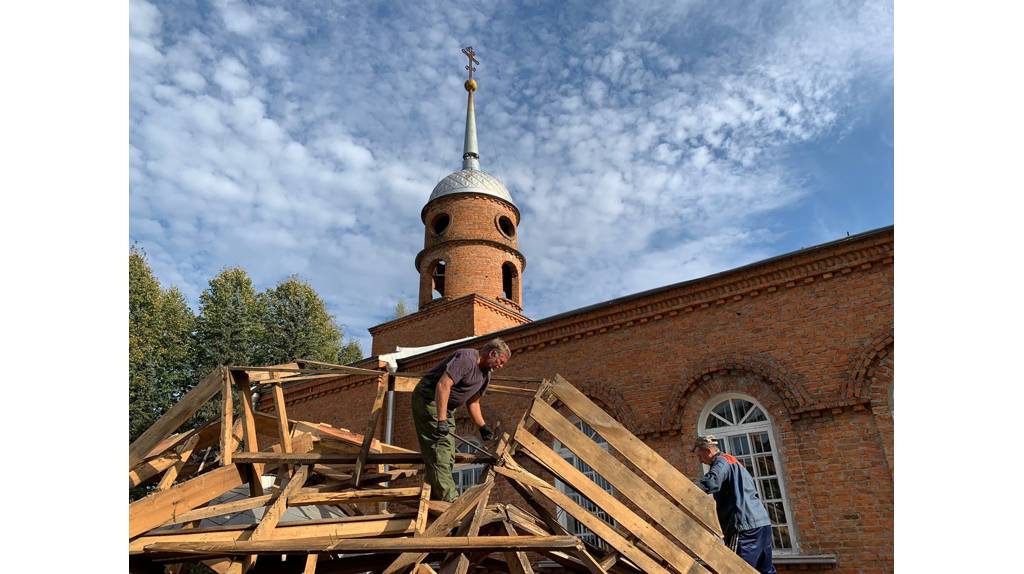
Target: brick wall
807, 335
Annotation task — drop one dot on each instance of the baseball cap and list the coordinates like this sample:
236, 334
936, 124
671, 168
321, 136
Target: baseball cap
706, 440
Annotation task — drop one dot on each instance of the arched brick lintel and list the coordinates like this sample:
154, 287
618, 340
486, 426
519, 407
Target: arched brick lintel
858, 387
769, 371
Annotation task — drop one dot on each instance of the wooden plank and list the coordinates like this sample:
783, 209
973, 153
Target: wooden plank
282, 424
322, 544
423, 510
150, 468
460, 563
227, 444
693, 536
277, 508
602, 529
249, 430
310, 567
406, 383
160, 507
222, 509
626, 518
303, 378
517, 562
174, 417
342, 368
371, 427
368, 495
172, 473
364, 527
441, 526
269, 372
349, 458
691, 499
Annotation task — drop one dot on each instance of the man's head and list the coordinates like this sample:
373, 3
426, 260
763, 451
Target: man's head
494, 355
706, 448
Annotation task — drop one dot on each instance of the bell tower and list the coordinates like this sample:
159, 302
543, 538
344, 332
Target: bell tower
470, 268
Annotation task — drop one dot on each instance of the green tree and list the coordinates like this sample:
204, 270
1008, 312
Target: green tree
400, 310
229, 329
350, 353
161, 355
296, 325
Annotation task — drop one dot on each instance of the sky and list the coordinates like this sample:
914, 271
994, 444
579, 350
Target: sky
644, 143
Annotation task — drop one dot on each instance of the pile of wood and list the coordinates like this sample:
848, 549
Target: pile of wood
379, 516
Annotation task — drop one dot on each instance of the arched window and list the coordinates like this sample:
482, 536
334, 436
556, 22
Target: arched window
437, 277
508, 281
567, 521
744, 431
467, 475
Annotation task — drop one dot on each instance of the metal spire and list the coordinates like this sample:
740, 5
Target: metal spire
470, 155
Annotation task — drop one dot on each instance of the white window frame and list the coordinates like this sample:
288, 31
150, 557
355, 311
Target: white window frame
570, 457
760, 426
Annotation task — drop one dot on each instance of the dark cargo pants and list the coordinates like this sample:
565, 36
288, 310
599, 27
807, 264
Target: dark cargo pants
438, 451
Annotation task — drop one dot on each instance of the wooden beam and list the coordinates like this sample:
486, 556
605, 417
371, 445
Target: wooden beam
693, 536
222, 509
441, 526
241, 380
172, 473
303, 378
352, 527
157, 508
174, 417
395, 545
310, 567
342, 368
282, 424
150, 468
423, 509
227, 444
517, 562
371, 426
277, 509
626, 518
368, 495
682, 490
460, 563
602, 529
349, 458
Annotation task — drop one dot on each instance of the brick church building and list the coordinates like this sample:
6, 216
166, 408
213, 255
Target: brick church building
789, 361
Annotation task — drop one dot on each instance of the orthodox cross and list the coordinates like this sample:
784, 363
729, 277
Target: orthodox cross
468, 51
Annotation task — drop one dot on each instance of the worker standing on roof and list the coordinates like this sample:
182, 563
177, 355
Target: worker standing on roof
461, 378
744, 520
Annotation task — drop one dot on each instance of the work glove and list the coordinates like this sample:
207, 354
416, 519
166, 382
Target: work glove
444, 427
486, 433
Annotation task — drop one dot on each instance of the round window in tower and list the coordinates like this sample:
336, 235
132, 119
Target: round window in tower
505, 225
439, 224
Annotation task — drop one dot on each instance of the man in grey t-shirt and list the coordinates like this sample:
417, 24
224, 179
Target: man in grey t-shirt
461, 378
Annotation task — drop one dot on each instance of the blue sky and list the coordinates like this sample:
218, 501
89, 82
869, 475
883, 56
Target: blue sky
645, 144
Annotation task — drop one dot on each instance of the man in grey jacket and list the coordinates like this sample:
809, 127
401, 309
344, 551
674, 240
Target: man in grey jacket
744, 520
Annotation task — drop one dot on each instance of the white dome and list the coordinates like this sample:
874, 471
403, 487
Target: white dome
470, 181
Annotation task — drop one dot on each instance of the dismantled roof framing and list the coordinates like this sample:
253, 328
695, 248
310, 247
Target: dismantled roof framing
222, 491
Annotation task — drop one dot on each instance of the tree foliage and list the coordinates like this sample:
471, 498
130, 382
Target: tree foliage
229, 329
400, 309
350, 353
161, 354
296, 325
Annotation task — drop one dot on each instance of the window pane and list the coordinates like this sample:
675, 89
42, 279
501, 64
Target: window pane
756, 416
765, 466
741, 407
784, 541
770, 489
776, 512
761, 442
748, 463
713, 422
739, 445
725, 411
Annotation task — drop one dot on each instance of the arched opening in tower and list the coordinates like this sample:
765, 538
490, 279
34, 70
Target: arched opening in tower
437, 277
509, 282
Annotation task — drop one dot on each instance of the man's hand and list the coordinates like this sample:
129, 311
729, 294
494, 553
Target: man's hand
486, 433
443, 427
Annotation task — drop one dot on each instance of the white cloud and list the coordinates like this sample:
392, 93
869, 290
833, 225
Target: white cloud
640, 148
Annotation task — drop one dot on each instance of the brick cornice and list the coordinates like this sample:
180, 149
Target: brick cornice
459, 242
444, 306
468, 195
786, 272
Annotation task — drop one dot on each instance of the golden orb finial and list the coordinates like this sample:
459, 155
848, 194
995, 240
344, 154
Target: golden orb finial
470, 85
